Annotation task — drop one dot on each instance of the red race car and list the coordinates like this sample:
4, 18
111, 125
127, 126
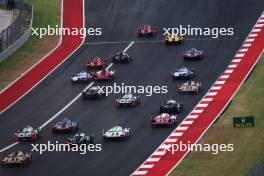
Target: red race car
163, 119
146, 31
104, 75
96, 63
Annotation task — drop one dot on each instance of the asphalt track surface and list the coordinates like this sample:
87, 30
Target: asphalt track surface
152, 64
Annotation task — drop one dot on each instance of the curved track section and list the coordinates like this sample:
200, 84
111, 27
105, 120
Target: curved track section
72, 14
152, 64
191, 129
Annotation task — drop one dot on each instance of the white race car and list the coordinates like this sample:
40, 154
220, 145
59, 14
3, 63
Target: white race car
127, 100
27, 134
116, 132
82, 77
189, 87
183, 73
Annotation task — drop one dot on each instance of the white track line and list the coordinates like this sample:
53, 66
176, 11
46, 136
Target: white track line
144, 41
65, 107
127, 48
8, 147
68, 105
124, 41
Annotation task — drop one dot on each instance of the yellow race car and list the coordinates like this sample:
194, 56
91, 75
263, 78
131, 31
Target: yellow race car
173, 39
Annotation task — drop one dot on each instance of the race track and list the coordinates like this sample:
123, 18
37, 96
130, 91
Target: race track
152, 64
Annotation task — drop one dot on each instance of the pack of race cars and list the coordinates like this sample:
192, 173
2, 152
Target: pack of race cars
168, 110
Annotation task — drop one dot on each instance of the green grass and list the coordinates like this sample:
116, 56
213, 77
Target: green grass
46, 12
248, 142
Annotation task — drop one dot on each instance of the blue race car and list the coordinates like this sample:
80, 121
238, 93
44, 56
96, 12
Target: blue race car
65, 126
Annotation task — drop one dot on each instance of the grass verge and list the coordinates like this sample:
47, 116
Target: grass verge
46, 12
248, 142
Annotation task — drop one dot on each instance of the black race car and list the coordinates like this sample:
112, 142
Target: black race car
93, 93
171, 106
122, 57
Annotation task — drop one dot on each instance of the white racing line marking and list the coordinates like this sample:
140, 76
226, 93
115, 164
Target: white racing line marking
65, 107
8, 147
118, 42
68, 105
154, 41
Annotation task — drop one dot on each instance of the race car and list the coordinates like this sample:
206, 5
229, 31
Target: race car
17, 158
116, 132
127, 100
171, 107
92, 93
183, 73
80, 138
146, 31
122, 57
163, 119
27, 134
104, 75
65, 126
96, 63
189, 87
82, 77
173, 39
193, 54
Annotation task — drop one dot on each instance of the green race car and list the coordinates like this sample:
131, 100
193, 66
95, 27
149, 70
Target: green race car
80, 138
